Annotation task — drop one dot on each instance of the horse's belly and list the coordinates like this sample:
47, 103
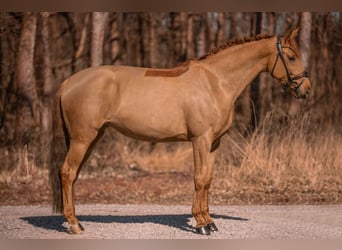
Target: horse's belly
146, 125
148, 132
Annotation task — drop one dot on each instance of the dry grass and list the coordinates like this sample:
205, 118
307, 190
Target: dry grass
292, 162
115, 153
281, 162
19, 164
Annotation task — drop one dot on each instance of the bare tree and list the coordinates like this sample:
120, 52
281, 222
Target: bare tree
222, 28
153, 42
305, 37
133, 46
81, 35
212, 30
201, 37
178, 41
115, 39
48, 87
190, 52
98, 29
26, 82
184, 34
235, 21
7, 60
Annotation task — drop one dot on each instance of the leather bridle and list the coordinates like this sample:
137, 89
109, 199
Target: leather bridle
291, 80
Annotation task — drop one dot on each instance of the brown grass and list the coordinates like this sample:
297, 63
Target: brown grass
282, 162
293, 161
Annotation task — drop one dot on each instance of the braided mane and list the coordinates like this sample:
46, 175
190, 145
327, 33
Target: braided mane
184, 67
236, 41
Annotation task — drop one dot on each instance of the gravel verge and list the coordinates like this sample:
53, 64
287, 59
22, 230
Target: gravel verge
174, 222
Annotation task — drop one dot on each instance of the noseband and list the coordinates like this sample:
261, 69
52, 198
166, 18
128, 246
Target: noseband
291, 80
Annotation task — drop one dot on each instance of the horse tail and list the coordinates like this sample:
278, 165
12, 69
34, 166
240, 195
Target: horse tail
58, 152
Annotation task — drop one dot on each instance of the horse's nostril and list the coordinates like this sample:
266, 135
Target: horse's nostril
307, 93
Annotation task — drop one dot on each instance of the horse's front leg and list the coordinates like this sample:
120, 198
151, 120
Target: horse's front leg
204, 162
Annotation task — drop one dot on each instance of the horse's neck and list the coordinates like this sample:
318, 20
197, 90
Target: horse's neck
238, 65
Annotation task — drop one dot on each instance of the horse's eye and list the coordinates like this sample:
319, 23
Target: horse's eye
292, 58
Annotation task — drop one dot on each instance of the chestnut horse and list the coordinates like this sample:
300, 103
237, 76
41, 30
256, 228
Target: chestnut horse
192, 102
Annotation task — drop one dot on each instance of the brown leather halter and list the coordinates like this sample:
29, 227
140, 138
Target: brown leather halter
291, 80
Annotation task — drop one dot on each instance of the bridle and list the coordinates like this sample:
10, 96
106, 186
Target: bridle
291, 80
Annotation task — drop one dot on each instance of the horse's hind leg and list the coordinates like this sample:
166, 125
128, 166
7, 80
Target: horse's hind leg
77, 154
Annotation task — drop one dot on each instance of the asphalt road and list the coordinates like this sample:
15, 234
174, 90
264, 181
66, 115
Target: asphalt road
174, 222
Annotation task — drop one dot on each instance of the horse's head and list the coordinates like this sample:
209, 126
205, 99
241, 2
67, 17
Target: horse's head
286, 65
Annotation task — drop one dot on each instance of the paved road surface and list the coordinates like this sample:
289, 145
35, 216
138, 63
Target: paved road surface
174, 222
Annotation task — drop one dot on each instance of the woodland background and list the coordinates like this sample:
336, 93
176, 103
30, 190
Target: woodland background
279, 140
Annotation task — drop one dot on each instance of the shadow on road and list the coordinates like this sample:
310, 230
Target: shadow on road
179, 221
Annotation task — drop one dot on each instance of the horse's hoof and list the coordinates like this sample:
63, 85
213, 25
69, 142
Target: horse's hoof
75, 229
212, 227
204, 230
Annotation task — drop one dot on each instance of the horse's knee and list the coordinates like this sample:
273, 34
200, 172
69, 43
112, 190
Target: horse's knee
67, 177
68, 172
202, 183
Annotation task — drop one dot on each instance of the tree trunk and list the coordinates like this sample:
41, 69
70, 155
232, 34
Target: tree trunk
184, 37
178, 38
97, 38
142, 40
222, 28
26, 82
48, 89
235, 21
174, 40
212, 30
153, 42
305, 37
115, 40
134, 51
190, 51
80, 41
201, 36
6, 61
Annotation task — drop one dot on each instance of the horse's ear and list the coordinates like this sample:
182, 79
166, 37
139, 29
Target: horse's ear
292, 33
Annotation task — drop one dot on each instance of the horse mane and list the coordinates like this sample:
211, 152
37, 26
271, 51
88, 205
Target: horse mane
233, 42
184, 67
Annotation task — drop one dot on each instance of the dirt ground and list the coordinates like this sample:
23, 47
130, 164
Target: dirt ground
169, 188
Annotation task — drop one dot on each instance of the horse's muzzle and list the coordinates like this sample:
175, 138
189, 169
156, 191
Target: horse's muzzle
302, 90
